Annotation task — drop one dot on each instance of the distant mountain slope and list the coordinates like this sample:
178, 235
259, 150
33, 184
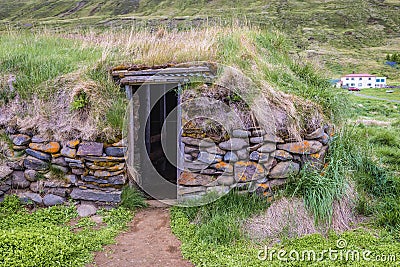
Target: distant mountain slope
39, 9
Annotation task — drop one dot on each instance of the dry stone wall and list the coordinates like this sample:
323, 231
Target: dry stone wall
250, 160
50, 172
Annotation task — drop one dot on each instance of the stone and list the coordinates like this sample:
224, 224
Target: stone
305, 147
197, 142
62, 169
71, 178
38, 154
72, 143
18, 180
117, 167
254, 147
51, 147
62, 192
241, 134
258, 132
188, 157
5, 171
85, 210
114, 180
115, 151
16, 165
215, 150
230, 157
107, 173
317, 160
209, 158
76, 161
190, 149
53, 200
227, 180
4, 187
38, 139
90, 149
208, 171
21, 140
283, 155
35, 164
233, 144
60, 161
31, 175
248, 171
264, 157
36, 198
284, 169
324, 139
270, 138
68, 152
55, 183
267, 148
256, 140
77, 165
95, 195
242, 154
195, 166
78, 171
316, 134
194, 179
104, 159
183, 190
36, 187
223, 167
254, 156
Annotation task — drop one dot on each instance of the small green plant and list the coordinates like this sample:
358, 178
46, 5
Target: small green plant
81, 101
55, 173
132, 198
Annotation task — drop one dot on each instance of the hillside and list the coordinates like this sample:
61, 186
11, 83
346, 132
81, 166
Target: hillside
340, 36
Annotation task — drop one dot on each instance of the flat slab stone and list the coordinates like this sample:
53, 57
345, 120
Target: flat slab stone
51, 147
68, 152
90, 149
114, 180
5, 171
115, 151
95, 195
197, 142
284, 170
241, 134
316, 134
234, 144
282, 155
36, 198
35, 164
21, 140
267, 148
86, 210
38, 154
52, 200
195, 179
223, 167
305, 147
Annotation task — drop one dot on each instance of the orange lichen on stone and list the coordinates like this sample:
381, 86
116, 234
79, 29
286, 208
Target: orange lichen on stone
265, 186
51, 147
73, 143
316, 155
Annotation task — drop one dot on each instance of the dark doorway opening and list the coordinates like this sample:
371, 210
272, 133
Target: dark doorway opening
163, 124
158, 147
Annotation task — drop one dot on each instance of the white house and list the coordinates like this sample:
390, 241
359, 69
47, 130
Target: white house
362, 81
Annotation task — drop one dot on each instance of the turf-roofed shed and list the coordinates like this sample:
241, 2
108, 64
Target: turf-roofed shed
204, 128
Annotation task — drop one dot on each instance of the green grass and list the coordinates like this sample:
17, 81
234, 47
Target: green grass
38, 58
132, 198
242, 252
381, 93
43, 237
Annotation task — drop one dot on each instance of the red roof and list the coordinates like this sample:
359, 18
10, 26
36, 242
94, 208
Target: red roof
360, 75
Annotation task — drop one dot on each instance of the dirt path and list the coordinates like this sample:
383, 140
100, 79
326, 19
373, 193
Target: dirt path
148, 243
